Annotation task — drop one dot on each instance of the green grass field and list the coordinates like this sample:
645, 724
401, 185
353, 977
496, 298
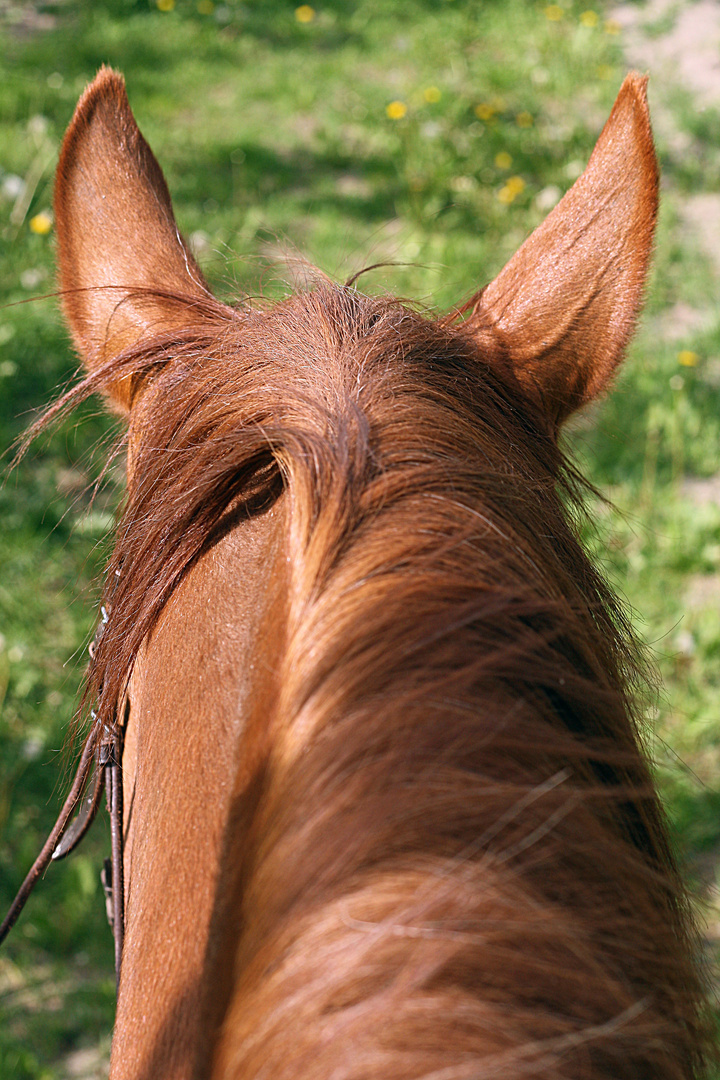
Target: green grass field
431, 133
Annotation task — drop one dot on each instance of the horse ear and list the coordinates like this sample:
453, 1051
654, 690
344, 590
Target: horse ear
564, 307
125, 272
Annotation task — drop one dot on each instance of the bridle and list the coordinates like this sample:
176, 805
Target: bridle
102, 758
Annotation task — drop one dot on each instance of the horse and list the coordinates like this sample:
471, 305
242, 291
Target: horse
386, 811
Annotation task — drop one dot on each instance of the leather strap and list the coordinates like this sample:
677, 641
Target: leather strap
103, 748
56, 834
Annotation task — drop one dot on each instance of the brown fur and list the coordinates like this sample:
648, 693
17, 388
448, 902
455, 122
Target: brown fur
441, 853
458, 861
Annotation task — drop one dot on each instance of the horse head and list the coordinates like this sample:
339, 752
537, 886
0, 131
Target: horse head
385, 813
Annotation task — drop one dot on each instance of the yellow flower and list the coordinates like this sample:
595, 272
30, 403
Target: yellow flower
554, 13
396, 110
589, 18
524, 120
165, 5
503, 160
514, 186
432, 94
687, 358
41, 224
612, 26
485, 111
206, 7
305, 14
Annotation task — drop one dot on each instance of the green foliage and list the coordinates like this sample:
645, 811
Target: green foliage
433, 134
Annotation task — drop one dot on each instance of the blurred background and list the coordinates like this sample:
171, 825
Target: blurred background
434, 134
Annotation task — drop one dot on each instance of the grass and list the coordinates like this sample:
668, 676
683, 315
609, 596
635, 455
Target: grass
434, 133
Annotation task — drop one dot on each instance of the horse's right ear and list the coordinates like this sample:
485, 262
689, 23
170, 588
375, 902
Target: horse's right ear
125, 272
563, 309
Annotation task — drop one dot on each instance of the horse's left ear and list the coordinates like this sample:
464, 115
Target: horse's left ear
564, 307
125, 272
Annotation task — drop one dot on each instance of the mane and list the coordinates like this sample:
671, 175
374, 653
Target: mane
457, 865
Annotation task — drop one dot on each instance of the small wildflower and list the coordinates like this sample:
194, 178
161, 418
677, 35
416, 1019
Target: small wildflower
589, 18
685, 643
13, 186
432, 94
206, 7
485, 111
605, 71
503, 160
396, 110
514, 186
304, 14
37, 126
524, 120
687, 358
612, 26
676, 382
554, 13
463, 183
549, 197
165, 5
31, 278
41, 224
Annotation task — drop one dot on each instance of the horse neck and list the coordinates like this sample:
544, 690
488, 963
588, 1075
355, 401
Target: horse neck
428, 800
435, 793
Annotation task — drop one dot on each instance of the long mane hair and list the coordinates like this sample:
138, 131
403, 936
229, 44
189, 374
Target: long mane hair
457, 865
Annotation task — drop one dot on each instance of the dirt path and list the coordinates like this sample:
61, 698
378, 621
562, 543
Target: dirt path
678, 43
